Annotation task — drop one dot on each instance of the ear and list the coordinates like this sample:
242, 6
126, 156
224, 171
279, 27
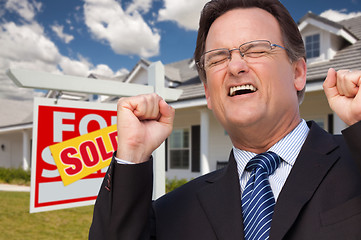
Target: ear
300, 72
208, 98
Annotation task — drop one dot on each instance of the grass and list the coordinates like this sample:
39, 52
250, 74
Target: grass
16, 223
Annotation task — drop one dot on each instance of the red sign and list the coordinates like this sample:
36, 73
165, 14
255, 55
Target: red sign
55, 123
81, 156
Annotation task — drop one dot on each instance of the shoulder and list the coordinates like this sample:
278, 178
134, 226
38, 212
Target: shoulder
352, 136
347, 144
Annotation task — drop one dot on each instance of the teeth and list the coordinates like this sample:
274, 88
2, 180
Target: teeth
249, 87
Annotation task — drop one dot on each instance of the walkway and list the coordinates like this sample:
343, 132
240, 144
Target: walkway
14, 188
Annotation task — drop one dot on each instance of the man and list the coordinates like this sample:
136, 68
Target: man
250, 56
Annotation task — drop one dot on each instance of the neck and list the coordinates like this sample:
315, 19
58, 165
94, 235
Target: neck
259, 139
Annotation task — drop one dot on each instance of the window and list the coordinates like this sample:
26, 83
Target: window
179, 149
313, 46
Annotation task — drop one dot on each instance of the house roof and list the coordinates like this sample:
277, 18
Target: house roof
348, 57
15, 114
353, 25
327, 25
186, 68
180, 71
320, 19
189, 80
181, 75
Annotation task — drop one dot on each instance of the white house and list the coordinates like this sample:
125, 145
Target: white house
328, 44
16, 123
198, 143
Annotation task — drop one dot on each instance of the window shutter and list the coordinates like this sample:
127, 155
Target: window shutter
195, 148
166, 154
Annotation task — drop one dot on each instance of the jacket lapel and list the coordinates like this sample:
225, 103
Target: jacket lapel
221, 201
314, 161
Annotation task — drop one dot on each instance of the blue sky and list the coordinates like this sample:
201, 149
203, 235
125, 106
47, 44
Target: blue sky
77, 37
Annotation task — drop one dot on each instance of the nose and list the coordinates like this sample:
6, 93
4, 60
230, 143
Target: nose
237, 63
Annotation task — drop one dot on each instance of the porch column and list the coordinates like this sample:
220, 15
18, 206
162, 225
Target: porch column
204, 142
26, 150
338, 124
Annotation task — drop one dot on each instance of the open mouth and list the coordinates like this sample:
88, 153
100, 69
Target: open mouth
240, 90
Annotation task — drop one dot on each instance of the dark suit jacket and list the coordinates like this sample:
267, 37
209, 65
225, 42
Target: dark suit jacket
321, 199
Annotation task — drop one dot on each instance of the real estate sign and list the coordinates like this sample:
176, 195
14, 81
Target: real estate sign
72, 146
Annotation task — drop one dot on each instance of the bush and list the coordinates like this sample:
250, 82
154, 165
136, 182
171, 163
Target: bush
14, 176
172, 184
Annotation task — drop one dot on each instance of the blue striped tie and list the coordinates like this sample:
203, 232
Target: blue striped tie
257, 198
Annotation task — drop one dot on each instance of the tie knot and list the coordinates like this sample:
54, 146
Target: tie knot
267, 161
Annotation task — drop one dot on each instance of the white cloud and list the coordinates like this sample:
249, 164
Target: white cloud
121, 72
125, 33
139, 5
24, 8
59, 30
185, 13
2, 12
340, 15
73, 67
27, 43
24, 47
27, 47
105, 70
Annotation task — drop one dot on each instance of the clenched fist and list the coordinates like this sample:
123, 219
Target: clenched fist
144, 122
343, 93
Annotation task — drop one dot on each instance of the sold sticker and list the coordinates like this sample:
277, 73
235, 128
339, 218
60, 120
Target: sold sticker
81, 156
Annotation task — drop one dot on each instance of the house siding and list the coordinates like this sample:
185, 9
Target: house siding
11, 154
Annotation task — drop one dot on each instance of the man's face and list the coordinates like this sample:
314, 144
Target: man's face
273, 76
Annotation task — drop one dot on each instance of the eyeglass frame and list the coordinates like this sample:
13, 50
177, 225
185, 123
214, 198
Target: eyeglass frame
200, 64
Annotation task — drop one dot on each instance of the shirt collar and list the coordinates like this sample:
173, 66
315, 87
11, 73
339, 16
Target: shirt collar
287, 148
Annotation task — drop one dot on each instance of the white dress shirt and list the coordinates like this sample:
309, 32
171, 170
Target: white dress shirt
287, 148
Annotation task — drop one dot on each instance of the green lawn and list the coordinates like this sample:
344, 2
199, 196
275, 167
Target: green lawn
16, 223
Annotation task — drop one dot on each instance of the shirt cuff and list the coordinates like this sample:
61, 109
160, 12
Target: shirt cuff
121, 161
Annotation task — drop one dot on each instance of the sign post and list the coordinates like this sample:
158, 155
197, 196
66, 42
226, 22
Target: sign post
56, 121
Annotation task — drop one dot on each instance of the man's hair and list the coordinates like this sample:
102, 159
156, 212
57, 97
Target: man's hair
292, 38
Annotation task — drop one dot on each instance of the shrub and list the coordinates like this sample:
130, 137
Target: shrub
14, 176
172, 184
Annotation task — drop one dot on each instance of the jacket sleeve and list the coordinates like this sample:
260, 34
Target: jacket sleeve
123, 206
352, 137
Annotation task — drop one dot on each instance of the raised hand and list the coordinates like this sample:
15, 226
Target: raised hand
342, 89
144, 122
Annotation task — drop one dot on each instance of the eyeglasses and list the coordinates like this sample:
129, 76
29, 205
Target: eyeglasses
217, 59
